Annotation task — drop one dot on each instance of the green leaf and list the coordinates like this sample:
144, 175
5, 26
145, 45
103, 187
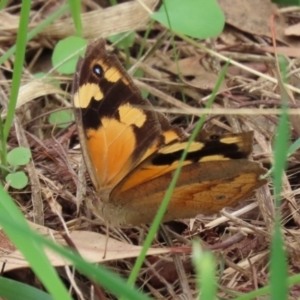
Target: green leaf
196, 18
19, 156
47, 78
61, 119
3, 3
66, 54
17, 180
124, 40
39, 75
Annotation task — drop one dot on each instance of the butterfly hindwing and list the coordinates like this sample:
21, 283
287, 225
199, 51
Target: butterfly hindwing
216, 173
202, 188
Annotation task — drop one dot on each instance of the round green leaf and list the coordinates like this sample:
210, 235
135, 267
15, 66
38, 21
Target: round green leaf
66, 54
47, 78
124, 40
39, 75
196, 18
61, 119
17, 180
19, 156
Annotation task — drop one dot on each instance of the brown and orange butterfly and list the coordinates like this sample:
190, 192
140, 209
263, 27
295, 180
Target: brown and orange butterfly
131, 151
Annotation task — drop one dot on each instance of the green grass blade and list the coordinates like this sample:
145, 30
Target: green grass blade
294, 147
33, 252
17, 73
278, 266
11, 289
75, 8
205, 267
291, 281
278, 260
31, 244
21, 41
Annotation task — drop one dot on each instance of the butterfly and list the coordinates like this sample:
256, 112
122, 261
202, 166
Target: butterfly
131, 151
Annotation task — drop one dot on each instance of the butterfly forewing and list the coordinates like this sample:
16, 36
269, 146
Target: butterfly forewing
119, 128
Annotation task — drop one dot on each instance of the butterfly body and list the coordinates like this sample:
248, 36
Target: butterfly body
131, 151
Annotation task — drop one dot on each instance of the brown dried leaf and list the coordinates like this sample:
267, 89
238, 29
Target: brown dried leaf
293, 30
195, 75
34, 89
91, 246
164, 270
245, 16
104, 22
8, 21
288, 51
